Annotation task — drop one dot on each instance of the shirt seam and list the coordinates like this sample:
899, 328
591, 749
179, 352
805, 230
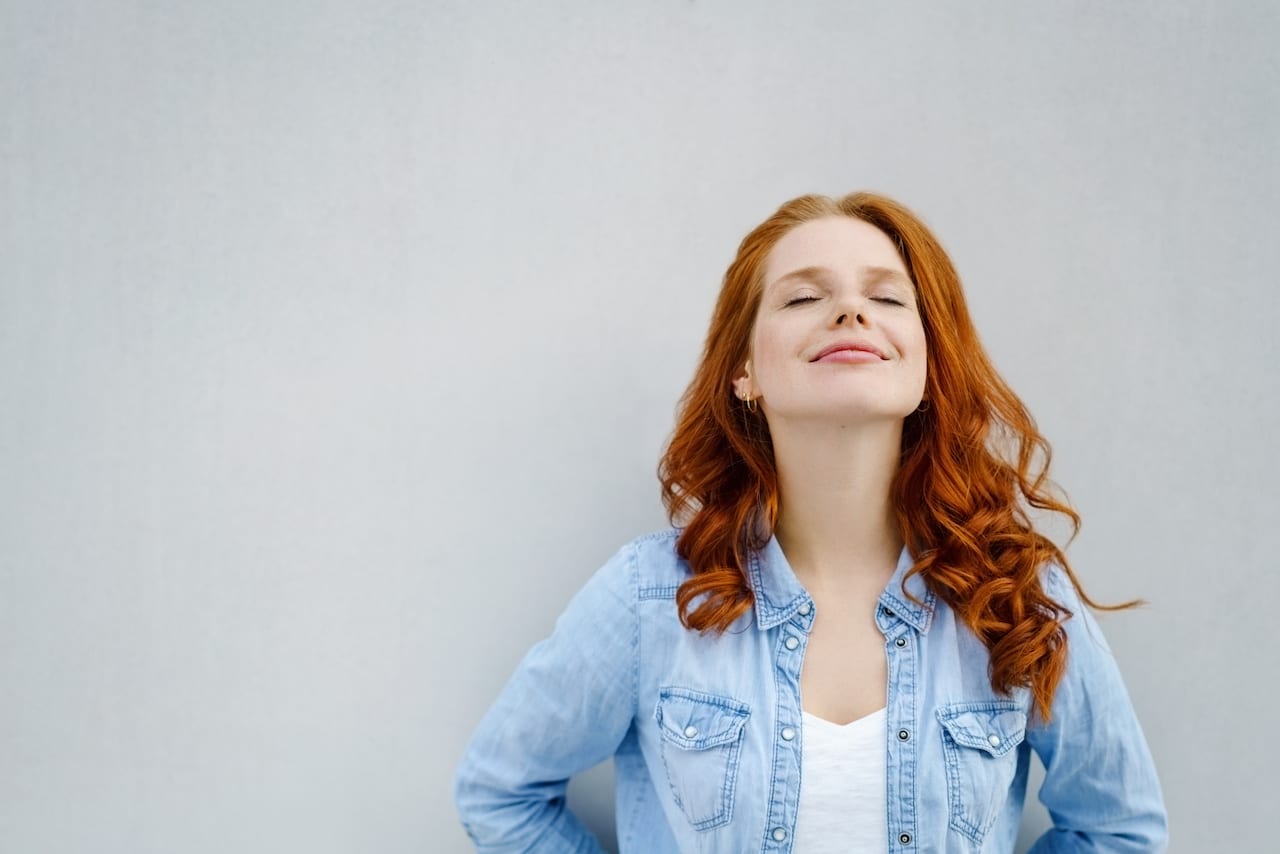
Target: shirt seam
636, 639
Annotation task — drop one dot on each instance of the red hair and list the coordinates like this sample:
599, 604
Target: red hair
972, 464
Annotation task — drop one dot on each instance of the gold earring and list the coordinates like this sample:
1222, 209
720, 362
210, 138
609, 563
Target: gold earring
752, 406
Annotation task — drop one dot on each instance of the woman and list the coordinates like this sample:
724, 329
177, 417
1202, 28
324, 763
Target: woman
856, 637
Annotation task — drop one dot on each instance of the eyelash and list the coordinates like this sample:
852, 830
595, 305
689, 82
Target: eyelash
885, 300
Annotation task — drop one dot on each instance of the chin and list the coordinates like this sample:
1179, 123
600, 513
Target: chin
844, 412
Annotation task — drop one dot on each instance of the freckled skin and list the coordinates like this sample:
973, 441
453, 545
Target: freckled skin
798, 317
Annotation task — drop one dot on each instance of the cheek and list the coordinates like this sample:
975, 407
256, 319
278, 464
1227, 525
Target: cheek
922, 361
919, 341
766, 349
917, 346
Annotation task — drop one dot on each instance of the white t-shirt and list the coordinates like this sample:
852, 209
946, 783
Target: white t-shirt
842, 787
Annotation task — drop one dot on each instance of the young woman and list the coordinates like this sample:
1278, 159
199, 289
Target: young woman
856, 638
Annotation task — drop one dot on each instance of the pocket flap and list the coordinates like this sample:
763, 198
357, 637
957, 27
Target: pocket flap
995, 728
695, 721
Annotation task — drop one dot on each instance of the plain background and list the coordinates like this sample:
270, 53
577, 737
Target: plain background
339, 341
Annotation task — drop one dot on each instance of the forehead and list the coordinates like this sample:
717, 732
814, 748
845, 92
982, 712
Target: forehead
838, 242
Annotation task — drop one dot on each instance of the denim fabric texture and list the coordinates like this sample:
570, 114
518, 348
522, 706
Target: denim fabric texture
706, 730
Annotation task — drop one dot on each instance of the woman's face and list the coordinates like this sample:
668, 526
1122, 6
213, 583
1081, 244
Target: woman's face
836, 282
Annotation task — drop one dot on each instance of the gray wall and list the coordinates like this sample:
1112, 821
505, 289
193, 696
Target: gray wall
338, 343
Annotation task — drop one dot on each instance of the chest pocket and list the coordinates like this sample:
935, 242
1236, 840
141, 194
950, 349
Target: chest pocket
700, 736
980, 741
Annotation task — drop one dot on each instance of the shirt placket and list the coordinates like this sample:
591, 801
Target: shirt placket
902, 645
784, 790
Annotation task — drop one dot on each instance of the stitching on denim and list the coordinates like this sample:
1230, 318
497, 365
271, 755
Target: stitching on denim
731, 778
777, 806
666, 766
731, 749
911, 751
665, 534
763, 608
981, 706
773, 807
726, 789
635, 634
890, 700
956, 818
921, 616
900, 787
663, 591
960, 818
948, 714
727, 703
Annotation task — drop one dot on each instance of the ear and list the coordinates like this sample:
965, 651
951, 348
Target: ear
742, 385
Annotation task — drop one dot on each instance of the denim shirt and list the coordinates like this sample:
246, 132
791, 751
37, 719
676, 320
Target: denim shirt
705, 730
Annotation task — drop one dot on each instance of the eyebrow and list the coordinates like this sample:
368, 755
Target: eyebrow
870, 275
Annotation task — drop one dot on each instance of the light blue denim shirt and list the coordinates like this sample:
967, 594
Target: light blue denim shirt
705, 730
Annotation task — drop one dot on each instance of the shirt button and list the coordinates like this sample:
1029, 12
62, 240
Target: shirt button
903, 735
690, 731
791, 643
900, 642
788, 733
804, 610
779, 835
994, 740
905, 839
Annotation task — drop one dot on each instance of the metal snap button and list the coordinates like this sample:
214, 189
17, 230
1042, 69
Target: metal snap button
903, 735
791, 643
994, 740
905, 839
788, 733
779, 834
690, 731
900, 642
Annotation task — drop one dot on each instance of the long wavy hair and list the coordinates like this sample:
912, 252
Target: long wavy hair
972, 465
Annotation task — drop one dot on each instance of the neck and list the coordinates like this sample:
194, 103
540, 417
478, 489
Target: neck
837, 523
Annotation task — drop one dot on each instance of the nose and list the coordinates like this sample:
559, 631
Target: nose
851, 308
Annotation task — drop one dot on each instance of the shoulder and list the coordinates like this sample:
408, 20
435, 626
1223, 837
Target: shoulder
1057, 585
1079, 623
655, 562
647, 567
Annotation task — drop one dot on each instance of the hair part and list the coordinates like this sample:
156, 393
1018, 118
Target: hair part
972, 465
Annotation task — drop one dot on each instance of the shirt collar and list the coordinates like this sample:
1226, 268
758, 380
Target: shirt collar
779, 594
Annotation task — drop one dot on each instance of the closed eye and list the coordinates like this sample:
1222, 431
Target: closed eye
890, 301
800, 300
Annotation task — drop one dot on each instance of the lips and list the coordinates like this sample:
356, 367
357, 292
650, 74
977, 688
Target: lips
855, 346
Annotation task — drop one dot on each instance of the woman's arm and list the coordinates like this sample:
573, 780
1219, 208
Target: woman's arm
1100, 784
566, 708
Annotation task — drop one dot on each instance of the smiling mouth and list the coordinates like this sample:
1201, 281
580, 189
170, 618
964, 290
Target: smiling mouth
850, 353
